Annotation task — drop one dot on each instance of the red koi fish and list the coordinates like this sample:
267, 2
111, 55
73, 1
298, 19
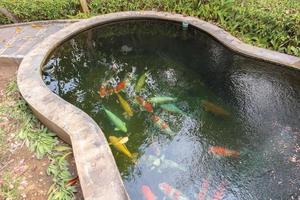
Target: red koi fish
171, 192
148, 194
102, 91
72, 181
222, 151
120, 86
204, 190
147, 106
218, 195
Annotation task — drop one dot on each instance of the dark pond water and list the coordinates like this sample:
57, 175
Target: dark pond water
234, 131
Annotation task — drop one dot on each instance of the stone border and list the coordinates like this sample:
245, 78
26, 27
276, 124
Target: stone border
44, 22
98, 173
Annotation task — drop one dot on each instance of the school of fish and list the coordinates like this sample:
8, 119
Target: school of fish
158, 163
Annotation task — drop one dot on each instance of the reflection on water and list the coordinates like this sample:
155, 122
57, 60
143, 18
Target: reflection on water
230, 131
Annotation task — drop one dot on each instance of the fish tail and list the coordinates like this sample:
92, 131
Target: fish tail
235, 154
134, 157
245, 151
102, 108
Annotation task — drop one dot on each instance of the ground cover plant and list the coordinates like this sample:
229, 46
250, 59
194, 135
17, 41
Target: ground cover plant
29, 131
272, 24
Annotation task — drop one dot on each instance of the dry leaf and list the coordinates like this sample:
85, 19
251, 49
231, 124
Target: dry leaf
18, 29
37, 26
7, 45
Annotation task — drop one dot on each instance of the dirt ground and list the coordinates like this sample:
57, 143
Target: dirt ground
17, 159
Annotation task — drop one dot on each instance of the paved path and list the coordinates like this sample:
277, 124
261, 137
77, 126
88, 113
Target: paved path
18, 39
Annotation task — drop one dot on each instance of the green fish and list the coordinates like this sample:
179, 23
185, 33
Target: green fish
140, 84
171, 108
120, 125
162, 99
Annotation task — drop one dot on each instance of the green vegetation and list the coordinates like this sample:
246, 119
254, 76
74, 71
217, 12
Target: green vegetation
273, 24
39, 140
30, 10
9, 186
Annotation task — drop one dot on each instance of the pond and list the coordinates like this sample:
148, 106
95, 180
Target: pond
186, 117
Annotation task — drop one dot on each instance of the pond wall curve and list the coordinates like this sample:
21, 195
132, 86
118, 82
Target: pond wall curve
97, 170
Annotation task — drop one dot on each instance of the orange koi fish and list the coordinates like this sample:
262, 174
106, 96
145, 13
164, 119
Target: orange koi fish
215, 109
147, 106
204, 190
163, 126
102, 91
222, 151
120, 86
171, 192
218, 195
148, 194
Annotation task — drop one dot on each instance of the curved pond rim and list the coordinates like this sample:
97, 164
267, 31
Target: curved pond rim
97, 170
195, 26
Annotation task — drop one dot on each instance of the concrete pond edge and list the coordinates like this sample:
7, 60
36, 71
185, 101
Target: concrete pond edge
97, 169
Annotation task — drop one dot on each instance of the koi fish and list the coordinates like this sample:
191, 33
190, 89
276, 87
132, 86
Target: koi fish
110, 91
171, 108
140, 83
218, 195
171, 192
215, 109
204, 189
119, 144
72, 181
162, 99
148, 194
160, 163
222, 151
102, 91
146, 105
120, 125
163, 126
120, 86
125, 105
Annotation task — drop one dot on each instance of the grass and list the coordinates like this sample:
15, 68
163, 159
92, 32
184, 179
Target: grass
2, 144
272, 24
39, 140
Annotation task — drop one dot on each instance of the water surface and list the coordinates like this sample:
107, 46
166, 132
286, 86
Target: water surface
262, 99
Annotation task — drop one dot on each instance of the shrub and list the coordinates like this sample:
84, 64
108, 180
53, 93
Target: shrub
273, 24
29, 10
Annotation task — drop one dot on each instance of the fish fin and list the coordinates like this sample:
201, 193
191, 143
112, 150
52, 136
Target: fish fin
123, 140
126, 115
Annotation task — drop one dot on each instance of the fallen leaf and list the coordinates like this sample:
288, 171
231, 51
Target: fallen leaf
37, 26
7, 45
18, 29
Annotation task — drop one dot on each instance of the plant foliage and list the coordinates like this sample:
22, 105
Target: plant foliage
273, 24
40, 141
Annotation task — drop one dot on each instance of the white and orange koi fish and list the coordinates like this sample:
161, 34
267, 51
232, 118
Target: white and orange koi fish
171, 192
204, 189
219, 193
162, 125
